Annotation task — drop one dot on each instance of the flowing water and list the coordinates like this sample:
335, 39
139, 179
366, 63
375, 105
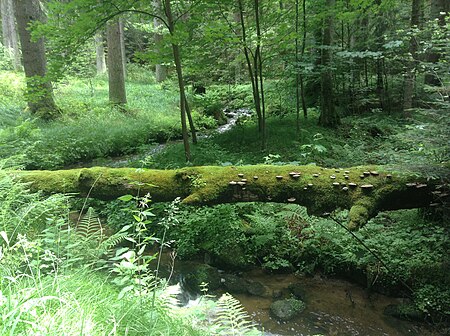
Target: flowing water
153, 149
333, 307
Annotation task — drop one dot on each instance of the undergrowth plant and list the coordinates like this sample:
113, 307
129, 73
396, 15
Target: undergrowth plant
56, 284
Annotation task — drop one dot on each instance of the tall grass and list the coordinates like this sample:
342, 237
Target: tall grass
48, 285
88, 126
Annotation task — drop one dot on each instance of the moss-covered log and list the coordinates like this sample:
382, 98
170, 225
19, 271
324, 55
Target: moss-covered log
364, 190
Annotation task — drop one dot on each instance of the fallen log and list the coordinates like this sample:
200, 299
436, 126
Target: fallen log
365, 190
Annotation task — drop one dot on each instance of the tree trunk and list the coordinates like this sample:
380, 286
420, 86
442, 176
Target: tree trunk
259, 73
410, 77
297, 69
328, 115
439, 10
10, 41
183, 100
254, 67
122, 48
116, 75
100, 54
160, 69
379, 62
302, 86
39, 93
381, 190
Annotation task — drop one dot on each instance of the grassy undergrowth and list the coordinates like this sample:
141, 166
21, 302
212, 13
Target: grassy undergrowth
71, 279
370, 139
88, 126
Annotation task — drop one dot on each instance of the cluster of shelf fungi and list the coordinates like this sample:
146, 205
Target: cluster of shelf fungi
345, 186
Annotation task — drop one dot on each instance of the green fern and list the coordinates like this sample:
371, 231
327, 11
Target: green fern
232, 319
90, 227
295, 213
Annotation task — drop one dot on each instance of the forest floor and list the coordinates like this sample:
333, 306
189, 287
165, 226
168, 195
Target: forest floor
145, 134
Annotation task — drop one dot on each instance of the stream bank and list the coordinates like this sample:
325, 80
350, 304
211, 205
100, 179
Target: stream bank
333, 306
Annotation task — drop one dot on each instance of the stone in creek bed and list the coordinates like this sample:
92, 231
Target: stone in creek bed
287, 309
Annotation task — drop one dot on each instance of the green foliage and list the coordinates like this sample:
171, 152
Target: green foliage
89, 128
411, 247
22, 211
238, 235
231, 319
5, 59
47, 286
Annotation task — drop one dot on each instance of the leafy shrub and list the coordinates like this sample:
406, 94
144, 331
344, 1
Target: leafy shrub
238, 235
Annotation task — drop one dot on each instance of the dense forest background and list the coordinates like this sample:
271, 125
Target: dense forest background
169, 84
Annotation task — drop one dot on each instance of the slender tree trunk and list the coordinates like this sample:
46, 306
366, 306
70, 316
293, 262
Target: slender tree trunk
238, 65
160, 69
252, 69
183, 100
379, 40
297, 69
191, 123
116, 76
302, 86
410, 77
122, 48
39, 93
328, 115
10, 40
100, 54
439, 10
259, 71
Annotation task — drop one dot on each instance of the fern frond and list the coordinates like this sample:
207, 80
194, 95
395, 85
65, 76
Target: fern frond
295, 213
231, 317
112, 241
90, 227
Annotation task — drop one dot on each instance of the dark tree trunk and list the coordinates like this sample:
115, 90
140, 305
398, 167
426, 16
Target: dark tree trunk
116, 75
410, 76
379, 63
259, 72
39, 93
254, 67
302, 86
328, 114
297, 69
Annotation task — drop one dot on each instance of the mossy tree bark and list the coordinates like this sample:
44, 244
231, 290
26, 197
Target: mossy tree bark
39, 93
364, 190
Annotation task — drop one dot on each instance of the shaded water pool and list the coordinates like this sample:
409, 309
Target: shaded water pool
333, 307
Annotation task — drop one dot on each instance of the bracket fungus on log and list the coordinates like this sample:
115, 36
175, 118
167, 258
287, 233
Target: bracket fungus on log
218, 185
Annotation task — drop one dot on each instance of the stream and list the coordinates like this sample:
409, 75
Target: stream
233, 117
334, 307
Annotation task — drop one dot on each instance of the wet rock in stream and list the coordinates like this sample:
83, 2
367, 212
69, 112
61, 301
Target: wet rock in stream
194, 275
286, 309
234, 284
